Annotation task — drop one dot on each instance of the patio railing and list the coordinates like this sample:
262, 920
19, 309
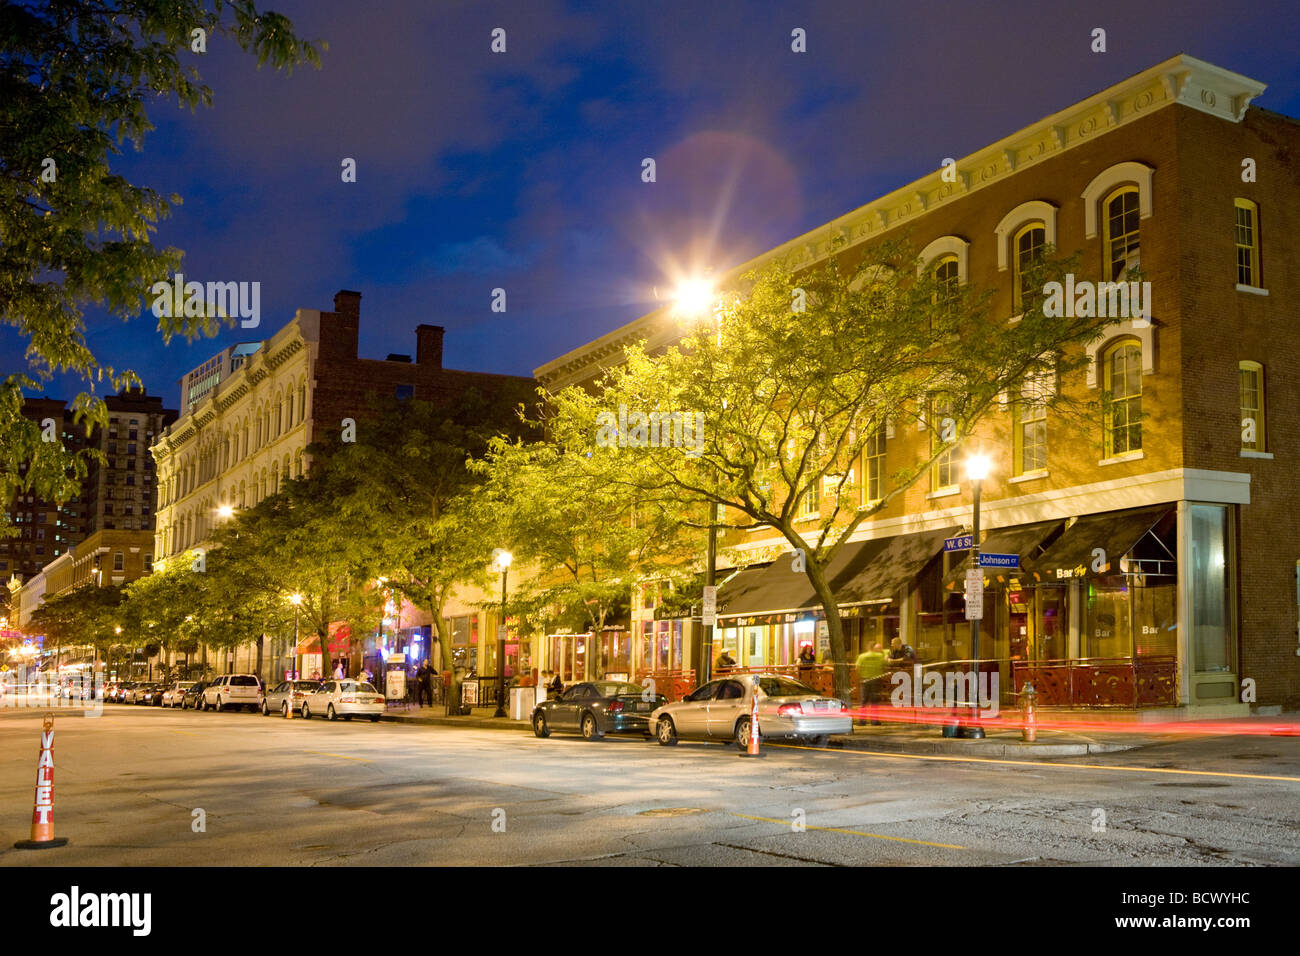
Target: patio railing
1101, 681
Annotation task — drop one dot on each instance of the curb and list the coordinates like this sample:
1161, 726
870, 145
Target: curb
491, 723
985, 748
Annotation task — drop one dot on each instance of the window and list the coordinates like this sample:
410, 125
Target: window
873, 470
404, 392
1121, 242
809, 502
1123, 401
943, 473
1247, 243
1029, 433
117, 560
1252, 406
1029, 246
946, 278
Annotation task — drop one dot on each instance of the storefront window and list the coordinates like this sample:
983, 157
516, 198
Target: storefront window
1052, 624
1207, 582
615, 654
1108, 626
1155, 620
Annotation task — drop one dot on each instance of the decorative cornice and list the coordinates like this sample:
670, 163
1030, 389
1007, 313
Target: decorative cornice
1180, 80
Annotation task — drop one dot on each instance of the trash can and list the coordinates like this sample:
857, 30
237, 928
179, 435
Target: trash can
522, 702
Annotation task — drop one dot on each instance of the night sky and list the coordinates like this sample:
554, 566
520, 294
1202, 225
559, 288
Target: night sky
523, 170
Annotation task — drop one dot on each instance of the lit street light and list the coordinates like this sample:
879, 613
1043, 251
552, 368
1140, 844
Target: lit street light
977, 469
225, 511
502, 558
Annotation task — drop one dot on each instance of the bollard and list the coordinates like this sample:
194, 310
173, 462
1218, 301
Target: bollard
43, 810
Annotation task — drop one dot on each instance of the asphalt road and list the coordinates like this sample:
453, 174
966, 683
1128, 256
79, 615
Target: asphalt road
128, 786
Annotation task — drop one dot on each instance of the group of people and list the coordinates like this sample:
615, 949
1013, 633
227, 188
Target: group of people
871, 667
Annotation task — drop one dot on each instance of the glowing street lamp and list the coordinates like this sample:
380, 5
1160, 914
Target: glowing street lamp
977, 469
225, 511
694, 298
502, 559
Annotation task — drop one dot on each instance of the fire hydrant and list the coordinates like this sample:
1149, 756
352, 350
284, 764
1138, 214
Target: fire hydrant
1029, 729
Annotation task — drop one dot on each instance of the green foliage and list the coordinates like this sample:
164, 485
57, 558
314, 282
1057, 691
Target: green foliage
75, 79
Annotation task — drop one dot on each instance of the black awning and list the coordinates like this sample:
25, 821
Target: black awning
739, 589
1115, 532
1025, 540
878, 572
774, 588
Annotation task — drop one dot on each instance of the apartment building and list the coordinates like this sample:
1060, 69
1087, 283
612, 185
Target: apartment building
1157, 556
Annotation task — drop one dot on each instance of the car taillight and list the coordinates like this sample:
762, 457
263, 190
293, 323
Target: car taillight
789, 710
616, 707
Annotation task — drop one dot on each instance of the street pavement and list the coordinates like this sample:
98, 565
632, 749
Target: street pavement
142, 786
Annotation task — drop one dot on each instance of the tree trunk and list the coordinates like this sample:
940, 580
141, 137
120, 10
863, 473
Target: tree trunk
451, 692
834, 628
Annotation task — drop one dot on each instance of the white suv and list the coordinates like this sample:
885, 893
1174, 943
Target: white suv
232, 690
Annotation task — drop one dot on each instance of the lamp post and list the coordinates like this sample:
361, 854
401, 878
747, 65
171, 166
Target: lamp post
695, 297
977, 469
502, 559
296, 600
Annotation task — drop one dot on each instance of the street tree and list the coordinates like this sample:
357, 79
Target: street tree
76, 80
405, 481
791, 380
587, 541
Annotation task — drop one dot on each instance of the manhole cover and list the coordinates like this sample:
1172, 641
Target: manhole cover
671, 812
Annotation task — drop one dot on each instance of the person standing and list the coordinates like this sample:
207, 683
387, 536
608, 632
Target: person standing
871, 668
426, 683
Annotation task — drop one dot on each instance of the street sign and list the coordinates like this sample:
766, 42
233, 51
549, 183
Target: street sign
502, 633
999, 560
710, 606
962, 542
974, 594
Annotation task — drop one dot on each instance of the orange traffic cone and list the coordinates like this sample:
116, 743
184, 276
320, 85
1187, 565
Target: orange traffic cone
753, 749
43, 812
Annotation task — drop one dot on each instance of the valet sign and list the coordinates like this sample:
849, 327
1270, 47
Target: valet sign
974, 594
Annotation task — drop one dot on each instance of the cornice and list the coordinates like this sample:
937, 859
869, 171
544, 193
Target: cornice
1181, 80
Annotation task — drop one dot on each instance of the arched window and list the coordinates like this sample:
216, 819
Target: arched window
275, 477
297, 464
245, 454
1120, 244
1123, 398
1028, 247
302, 399
1029, 423
1251, 375
946, 277
279, 414
243, 500
1247, 238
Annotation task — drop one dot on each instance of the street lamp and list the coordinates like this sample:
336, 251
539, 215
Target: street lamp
296, 600
225, 511
977, 469
694, 299
502, 558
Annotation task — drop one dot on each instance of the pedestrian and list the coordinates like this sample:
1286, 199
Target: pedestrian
426, 684
557, 686
725, 660
871, 667
900, 654
338, 671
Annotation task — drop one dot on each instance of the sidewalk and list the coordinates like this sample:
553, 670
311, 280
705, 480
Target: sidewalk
481, 717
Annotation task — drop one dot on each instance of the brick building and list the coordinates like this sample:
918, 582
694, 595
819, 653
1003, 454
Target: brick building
250, 424
1186, 483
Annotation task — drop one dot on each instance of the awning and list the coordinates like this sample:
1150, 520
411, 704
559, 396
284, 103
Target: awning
876, 574
1024, 540
1115, 532
738, 593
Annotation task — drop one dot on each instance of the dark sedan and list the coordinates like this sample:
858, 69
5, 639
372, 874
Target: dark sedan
193, 695
596, 708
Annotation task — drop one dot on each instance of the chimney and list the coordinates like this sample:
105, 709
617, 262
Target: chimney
347, 302
428, 345
339, 329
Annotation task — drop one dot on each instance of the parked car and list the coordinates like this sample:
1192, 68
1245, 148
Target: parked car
174, 694
135, 691
276, 700
120, 690
597, 708
193, 695
720, 710
232, 690
149, 694
344, 698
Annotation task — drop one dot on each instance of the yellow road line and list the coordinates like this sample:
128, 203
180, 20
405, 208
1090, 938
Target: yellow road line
1048, 763
878, 836
321, 753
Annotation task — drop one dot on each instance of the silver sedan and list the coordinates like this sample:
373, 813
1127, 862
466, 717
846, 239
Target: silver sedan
276, 701
720, 710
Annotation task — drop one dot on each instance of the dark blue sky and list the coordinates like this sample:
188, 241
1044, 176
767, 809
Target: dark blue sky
522, 170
